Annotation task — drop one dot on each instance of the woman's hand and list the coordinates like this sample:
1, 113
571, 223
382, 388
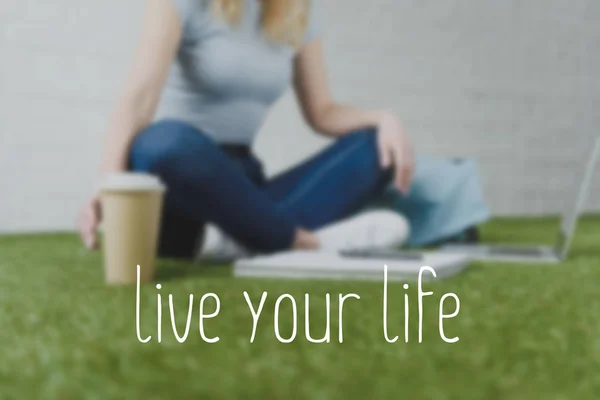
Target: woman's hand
88, 221
395, 150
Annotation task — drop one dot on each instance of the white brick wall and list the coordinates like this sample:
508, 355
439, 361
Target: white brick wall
514, 84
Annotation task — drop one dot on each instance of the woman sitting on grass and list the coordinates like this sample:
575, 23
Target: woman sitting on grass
204, 76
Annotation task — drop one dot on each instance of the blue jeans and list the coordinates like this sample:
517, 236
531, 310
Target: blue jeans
205, 184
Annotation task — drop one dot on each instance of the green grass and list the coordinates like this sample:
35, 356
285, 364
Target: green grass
526, 332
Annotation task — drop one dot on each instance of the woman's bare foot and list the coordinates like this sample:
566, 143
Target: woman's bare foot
305, 240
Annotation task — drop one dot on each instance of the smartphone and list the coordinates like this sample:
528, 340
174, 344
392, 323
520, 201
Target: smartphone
388, 254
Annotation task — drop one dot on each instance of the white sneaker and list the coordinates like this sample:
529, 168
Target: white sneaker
377, 228
217, 246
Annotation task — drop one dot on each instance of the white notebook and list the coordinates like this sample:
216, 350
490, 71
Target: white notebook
331, 265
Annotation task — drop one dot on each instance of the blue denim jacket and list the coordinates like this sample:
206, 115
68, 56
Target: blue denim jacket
446, 198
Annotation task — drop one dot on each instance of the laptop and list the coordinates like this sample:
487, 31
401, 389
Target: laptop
541, 254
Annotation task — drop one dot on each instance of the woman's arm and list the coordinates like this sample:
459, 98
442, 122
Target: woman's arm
319, 109
161, 33
327, 117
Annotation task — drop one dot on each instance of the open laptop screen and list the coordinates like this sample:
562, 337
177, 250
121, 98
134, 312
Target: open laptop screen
569, 221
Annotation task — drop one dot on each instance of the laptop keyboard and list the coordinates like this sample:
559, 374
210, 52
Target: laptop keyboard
519, 251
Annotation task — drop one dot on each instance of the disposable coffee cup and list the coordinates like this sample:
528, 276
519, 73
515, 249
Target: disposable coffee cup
131, 213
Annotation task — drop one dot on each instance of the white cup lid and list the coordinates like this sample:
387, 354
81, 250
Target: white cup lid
131, 182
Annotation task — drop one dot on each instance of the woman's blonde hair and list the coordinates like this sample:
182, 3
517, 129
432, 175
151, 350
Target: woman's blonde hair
283, 21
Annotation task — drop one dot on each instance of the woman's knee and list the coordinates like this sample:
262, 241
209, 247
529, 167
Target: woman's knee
365, 138
163, 144
365, 149
368, 160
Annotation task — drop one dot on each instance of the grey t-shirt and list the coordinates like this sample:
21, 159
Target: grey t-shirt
224, 79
